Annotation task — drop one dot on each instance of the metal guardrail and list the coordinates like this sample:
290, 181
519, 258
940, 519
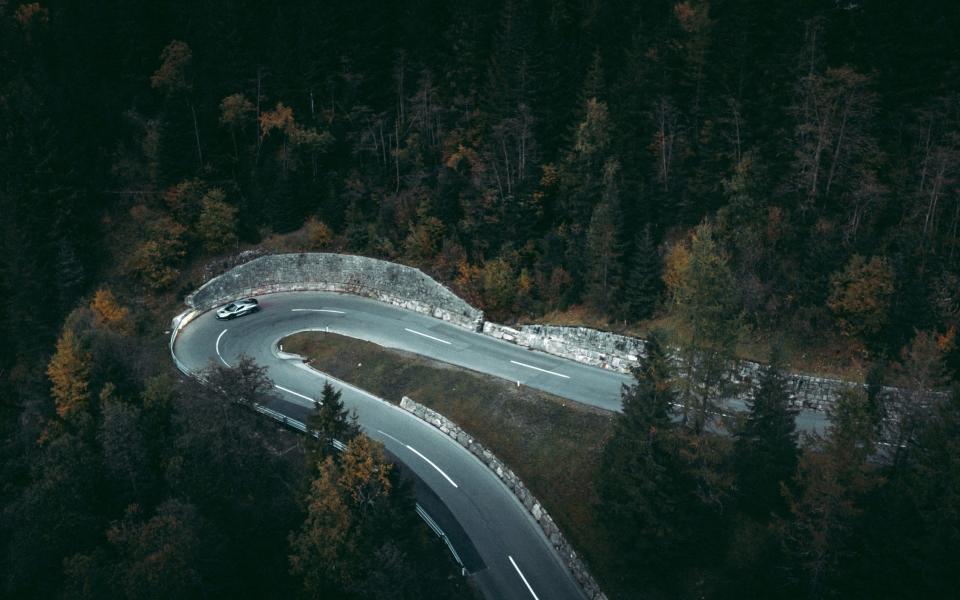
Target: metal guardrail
179, 322
443, 536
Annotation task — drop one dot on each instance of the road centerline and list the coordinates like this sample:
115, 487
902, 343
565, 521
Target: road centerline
428, 336
539, 369
323, 310
218, 348
525, 582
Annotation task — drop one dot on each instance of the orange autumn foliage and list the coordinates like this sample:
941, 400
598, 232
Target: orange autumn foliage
108, 313
69, 371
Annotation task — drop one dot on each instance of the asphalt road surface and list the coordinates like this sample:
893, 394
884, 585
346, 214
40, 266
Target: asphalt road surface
499, 541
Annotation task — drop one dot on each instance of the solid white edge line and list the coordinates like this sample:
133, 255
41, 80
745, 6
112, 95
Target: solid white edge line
427, 336
289, 391
218, 348
525, 582
539, 369
325, 310
430, 462
384, 433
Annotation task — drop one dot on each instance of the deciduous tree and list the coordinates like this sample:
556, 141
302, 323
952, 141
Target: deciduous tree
107, 312
69, 372
246, 383
702, 288
217, 223
860, 296
156, 261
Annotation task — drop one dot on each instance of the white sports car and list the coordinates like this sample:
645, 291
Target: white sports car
238, 308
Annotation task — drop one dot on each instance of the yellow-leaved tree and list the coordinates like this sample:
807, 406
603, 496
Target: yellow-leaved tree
156, 261
217, 224
69, 373
860, 296
108, 313
344, 500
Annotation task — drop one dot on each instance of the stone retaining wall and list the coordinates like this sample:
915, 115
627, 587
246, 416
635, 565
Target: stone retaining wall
388, 282
619, 353
582, 344
510, 479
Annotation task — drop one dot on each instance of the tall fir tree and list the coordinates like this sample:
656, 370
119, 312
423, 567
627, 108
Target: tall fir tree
765, 452
647, 502
330, 421
643, 282
603, 243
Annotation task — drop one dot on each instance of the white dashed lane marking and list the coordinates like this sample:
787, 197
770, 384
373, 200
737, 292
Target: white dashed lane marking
539, 369
427, 336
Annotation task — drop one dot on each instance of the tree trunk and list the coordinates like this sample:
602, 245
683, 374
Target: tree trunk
196, 132
839, 146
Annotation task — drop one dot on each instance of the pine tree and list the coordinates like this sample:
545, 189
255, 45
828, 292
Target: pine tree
330, 421
594, 87
832, 480
643, 283
647, 502
603, 243
765, 453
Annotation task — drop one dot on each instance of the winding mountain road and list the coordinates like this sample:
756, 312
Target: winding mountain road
496, 538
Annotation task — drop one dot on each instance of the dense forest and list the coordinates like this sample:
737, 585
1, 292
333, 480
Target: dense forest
786, 169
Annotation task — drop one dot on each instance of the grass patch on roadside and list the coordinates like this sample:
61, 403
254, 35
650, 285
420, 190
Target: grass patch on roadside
553, 444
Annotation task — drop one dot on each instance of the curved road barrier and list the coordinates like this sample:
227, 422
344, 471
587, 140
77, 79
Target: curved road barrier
388, 282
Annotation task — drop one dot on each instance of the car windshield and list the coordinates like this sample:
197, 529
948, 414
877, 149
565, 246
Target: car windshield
230, 306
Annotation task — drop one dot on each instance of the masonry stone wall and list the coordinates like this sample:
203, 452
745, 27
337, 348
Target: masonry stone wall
515, 485
388, 282
582, 344
619, 353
